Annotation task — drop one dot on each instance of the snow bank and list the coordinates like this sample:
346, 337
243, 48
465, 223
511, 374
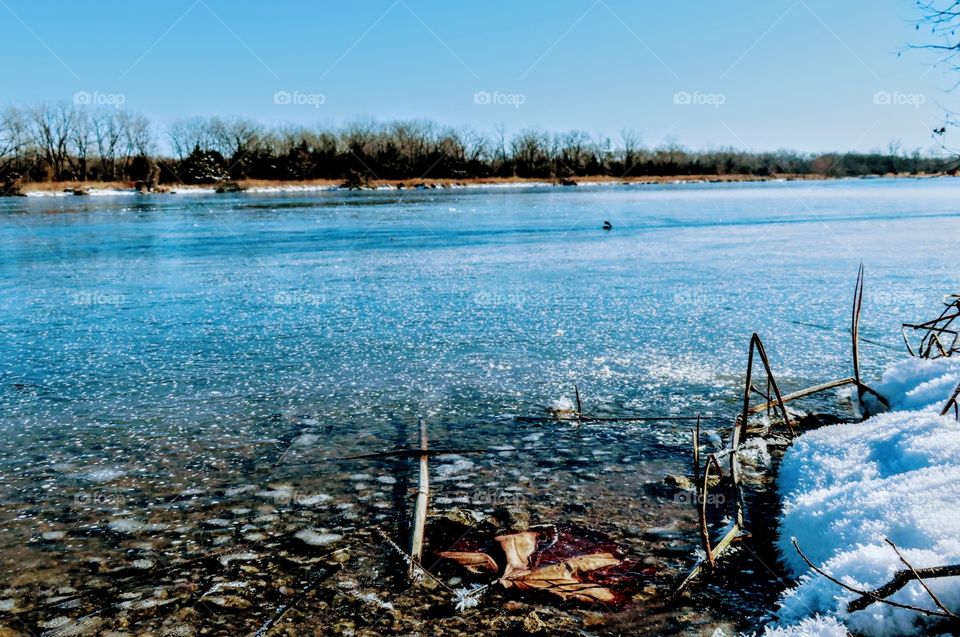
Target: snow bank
91, 192
916, 384
812, 627
847, 487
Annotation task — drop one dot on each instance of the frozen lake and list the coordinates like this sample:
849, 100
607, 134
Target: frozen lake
166, 359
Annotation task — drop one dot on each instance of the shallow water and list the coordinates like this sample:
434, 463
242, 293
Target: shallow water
170, 360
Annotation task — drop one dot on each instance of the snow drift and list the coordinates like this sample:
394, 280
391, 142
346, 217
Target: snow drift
845, 488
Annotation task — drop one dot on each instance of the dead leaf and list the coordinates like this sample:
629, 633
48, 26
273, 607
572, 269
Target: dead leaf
517, 548
564, 578
570, 566
473, 561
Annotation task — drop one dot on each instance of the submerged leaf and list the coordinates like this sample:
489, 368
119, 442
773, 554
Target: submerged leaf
517, 548
577, 566
473, 561
565, 579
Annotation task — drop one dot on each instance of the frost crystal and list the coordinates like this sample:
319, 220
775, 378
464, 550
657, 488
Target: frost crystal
465, 598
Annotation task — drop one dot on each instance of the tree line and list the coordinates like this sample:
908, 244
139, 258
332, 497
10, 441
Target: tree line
70, 142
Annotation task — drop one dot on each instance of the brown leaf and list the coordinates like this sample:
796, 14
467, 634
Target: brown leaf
572, 567
517, 547
563, 578
473, 561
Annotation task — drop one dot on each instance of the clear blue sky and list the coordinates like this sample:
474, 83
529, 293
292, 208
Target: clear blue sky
802, 74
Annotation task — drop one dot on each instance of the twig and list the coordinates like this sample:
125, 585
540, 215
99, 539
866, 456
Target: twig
934, 329
286, 608
414, 564
644, 418
531, 419
416, 453
734, 532
936, 600
952, 403
872, 596
899, 580
803, 393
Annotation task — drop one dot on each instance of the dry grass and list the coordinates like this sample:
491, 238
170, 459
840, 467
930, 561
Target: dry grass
270, 183
60, 186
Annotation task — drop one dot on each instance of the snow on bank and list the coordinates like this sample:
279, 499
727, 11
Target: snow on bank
811, 627
92, 192
846, 487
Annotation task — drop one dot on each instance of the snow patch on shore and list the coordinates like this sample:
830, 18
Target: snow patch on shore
847, 487
91, 192
811, 627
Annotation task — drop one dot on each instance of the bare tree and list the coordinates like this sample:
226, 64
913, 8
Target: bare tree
531, 150
51, 129
187, 134
80, 140
235, 137
14, 139
942, 18
138, 138
108, 132
476, 145
631, 142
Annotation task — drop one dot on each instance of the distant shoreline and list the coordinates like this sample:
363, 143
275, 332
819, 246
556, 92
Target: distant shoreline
67, 188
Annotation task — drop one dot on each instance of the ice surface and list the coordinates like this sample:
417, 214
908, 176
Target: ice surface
317, 538
185, 341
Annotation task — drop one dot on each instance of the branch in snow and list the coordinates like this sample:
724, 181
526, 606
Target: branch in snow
872, 596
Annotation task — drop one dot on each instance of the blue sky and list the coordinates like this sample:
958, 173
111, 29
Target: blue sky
802, 74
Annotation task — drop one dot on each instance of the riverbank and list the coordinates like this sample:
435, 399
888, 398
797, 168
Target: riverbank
72, 188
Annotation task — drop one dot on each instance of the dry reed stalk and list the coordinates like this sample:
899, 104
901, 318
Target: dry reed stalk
855, 326
803, 393
696, 453
740, 426
952, 403
702, 514
420, 509
935, 329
